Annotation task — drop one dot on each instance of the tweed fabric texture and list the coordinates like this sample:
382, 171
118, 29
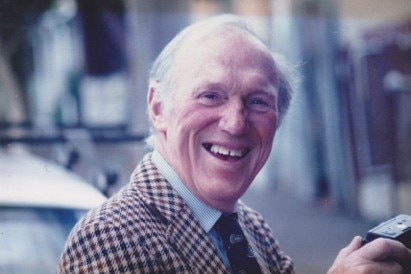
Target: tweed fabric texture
147, 228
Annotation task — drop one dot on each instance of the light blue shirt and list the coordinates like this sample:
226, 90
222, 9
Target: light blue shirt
206, 215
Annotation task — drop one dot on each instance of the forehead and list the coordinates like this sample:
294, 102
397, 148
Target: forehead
226, 48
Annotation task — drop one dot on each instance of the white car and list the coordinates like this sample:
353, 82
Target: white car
39, 204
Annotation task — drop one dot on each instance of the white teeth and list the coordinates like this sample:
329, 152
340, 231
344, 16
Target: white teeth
226, 151
235, 153
223, 151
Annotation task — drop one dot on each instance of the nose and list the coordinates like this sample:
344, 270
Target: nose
234, 119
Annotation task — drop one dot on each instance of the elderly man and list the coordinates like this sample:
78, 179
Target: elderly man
215, 100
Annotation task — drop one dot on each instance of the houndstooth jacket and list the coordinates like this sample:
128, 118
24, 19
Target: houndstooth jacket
147, 228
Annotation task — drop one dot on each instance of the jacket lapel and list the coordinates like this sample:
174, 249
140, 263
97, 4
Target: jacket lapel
259, 240
184, 233
193, 244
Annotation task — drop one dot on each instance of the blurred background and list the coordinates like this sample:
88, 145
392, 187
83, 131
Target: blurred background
73, 80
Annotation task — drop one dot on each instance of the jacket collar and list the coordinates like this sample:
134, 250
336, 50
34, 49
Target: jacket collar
184, 232
154, 189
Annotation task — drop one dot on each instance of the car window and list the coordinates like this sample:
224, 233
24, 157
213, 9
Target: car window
31, 239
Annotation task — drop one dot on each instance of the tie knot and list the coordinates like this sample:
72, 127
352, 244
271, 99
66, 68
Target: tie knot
228, 221
229, 217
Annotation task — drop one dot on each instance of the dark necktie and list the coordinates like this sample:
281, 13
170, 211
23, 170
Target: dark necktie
239, 252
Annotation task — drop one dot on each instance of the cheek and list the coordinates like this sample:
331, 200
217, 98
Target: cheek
193, 117
266, 128
266, 131
187, 123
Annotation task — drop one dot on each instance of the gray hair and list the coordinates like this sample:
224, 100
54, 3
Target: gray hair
161, 73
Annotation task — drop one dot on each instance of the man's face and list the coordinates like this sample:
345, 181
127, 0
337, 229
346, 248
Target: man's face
219, 132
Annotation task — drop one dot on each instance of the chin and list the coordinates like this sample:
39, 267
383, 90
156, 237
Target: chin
228, 197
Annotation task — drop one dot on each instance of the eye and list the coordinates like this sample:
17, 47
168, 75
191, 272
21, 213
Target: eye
212, 98
260, 104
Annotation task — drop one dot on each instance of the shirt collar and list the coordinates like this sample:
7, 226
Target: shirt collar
206, 215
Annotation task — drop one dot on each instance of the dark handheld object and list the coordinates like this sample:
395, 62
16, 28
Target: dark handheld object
397, 228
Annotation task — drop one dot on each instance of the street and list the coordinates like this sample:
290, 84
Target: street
308, 232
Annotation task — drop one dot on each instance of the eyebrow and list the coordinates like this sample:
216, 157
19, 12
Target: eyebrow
209, 86
271, 96
265, 86
260, 85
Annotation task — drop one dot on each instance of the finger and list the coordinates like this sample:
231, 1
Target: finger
384, 249
355, 244
390, 267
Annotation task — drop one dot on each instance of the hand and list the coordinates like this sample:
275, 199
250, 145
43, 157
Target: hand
378, 256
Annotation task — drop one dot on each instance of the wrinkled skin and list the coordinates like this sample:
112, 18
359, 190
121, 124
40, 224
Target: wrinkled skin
219, 132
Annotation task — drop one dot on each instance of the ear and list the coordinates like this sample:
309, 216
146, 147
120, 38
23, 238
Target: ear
155, 110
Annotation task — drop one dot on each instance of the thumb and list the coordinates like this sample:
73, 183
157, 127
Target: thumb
355, 244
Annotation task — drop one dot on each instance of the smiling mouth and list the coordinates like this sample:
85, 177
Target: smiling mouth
226, 154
